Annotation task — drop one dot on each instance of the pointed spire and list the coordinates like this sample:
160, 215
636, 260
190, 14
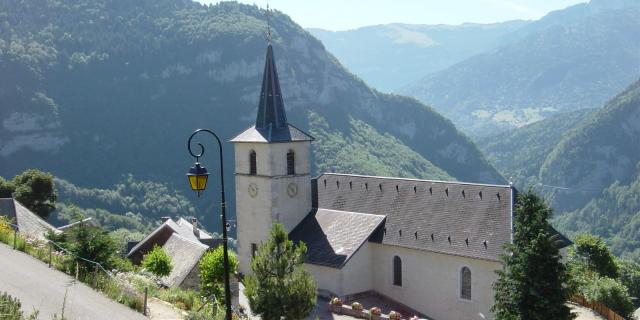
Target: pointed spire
271, 112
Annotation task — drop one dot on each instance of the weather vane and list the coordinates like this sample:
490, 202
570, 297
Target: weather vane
268, 26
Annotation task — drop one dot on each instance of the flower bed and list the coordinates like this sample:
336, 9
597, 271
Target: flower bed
357, 310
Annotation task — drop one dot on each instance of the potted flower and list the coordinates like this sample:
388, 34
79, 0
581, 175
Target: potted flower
414, 318
357, 306
375, 311
394, 315
336, 301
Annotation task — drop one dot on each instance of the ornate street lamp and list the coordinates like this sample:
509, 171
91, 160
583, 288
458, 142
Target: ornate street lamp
198, 176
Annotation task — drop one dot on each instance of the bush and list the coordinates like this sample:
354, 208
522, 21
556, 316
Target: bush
612, 294
212, 271
157, 262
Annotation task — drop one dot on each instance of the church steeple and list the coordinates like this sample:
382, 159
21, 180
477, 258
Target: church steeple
271, 113
271, 122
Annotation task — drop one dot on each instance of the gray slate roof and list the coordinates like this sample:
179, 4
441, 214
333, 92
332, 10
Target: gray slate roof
465, 219
181, 227
185, 255
29, 223
333, 236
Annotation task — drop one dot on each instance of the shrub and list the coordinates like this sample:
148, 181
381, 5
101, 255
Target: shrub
10, 309
157, 262
183, 299
612, 294
356, 306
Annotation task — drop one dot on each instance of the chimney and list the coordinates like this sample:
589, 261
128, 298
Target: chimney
164, 219
196, 231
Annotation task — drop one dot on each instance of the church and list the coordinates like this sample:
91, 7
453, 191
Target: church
433, 246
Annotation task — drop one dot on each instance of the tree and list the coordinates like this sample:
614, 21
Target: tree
157, 261
212, 271
531, 284
89, 242
279, 287
35, 190
593, 251
6, 188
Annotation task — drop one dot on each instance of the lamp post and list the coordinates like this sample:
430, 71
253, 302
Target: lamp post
198, 176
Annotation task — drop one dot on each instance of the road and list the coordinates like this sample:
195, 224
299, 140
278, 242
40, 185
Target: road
43, 289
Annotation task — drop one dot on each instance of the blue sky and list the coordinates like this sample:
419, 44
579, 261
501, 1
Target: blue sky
351, 14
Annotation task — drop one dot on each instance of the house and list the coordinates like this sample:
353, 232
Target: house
433, 246
28, 223
184, 242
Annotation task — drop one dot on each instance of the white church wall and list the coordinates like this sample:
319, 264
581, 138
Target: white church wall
357, 274
255, 215
327, 279
354, 277
431, 282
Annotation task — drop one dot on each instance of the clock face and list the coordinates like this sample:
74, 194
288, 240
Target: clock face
253, 190
292, 189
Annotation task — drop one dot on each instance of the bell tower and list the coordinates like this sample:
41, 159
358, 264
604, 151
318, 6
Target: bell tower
272, 170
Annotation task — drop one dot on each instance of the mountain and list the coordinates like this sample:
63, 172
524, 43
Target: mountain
92, 90
391, 56
570, 59
600, 151
587, 165
520, 152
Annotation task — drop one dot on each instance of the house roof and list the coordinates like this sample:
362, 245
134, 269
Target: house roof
465, 219
29, 223
271, 121
181, 227
185, 254
333, 236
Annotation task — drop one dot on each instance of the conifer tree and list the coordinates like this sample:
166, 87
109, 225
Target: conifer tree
531, 284
279, 287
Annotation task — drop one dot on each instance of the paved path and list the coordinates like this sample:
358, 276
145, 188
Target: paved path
41, 288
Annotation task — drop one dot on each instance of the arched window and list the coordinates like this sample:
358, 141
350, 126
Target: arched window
252, 163
465, 283
397, 271
291, 163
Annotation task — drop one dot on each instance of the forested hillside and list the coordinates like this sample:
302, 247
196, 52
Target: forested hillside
587, 164
519, 153
600, 151
94, 90
399, 54
570, 59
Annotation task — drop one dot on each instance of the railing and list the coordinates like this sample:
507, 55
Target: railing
598, 307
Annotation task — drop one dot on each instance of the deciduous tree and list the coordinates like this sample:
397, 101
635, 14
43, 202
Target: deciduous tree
212, 271
157, 261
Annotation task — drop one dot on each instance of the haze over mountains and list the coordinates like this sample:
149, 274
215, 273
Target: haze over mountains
517, 73
95, 90
392, 56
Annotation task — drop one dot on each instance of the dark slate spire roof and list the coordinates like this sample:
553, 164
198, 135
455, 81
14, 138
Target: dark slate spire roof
271, 108
271, 121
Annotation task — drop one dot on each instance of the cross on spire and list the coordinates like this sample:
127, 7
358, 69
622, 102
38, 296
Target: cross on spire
268, 25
